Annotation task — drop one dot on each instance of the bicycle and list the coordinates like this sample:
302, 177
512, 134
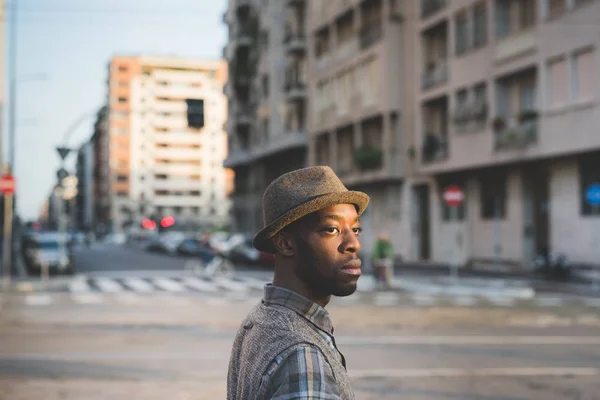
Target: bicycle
217, 267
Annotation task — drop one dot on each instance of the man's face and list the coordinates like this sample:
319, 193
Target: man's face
327, 244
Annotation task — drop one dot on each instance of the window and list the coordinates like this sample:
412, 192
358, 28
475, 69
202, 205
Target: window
479, 25
557, 93
589, 173
584, 82
177, 210
160, 177
121, 194
461, 97
480, 93
122, 99
161, 192
322, 43
345, 27
213, 211
493, 196
527, 13
265, 86
194, 193
462, 34
122, 68
196, 210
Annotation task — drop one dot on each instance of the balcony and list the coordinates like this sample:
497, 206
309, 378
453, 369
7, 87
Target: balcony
470, 116
295, 91
295, 42
430, 7
436, 74
237, 158
370, 35
519, 134
245, 35
244, 115
435, 148
282, 142
368, 158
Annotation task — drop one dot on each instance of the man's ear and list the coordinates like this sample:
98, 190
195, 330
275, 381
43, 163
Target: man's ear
284, 243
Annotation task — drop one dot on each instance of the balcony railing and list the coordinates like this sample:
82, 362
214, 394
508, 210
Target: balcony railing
370, 34
295, 42
520, 134
430, 7
470, 115
244, 115
435, 75
435, 148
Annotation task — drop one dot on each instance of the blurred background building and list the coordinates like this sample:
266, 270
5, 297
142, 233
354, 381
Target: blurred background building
166, 143
404, 99
267, 92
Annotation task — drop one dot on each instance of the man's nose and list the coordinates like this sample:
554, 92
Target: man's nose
350, 244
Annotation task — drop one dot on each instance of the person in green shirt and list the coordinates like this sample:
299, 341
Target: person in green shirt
383, 260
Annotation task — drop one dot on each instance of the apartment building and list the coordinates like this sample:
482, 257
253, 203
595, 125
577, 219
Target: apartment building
507, 109
84, 199
360, 55
166, 141
101, 219
267, 92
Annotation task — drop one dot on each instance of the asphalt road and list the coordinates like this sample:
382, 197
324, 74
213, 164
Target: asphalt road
177, 347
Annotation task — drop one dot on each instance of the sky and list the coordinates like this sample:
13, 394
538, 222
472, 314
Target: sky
70, 42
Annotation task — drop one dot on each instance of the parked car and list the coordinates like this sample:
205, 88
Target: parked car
191, 247
115, 238
49, 249
166, 243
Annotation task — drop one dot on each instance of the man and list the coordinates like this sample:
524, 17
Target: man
285, 348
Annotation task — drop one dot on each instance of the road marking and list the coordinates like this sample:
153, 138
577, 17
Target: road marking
465, 301
386, 299
501, 301
108, 285
79, 286
201, 285
88, 298
168, 285
549, 301
254, 283
233, 286
471, 340
139, 285
424, 300
459, 372
38, 300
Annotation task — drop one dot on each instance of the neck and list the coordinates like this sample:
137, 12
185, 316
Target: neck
283, 279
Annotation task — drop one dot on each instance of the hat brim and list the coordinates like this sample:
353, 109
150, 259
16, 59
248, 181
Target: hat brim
262, 240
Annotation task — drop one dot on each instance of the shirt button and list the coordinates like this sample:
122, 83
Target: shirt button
248, 325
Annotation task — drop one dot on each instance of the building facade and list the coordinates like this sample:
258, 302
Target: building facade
166, 141
101, 174
359, 113
507, 109
267, 92
84, 199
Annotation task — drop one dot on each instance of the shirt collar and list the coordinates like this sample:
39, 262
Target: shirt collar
300, 304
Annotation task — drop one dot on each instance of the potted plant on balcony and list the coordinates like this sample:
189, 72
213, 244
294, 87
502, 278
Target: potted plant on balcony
527, 116
368, 157
498, 124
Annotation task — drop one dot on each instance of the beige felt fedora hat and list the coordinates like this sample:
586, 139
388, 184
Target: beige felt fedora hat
299, 193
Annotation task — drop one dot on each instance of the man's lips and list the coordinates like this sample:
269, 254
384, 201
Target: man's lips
352, 267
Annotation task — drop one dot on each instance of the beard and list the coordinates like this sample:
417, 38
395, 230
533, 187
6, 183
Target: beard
321, 279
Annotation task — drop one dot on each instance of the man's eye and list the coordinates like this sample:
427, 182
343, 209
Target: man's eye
332, 230
357, 230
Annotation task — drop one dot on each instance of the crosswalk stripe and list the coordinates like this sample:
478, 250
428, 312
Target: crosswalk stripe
465, 301
79, 286
424, 300
38, 300
108, 285
501, 301
87, 298
231, 285
200, 285
169, 285
139, 285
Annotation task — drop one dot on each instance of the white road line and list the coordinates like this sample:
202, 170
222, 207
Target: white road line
458, 372
549, 301
501, 301
201, 285
169, 285
424, 300
386, 299
38, 300
465, 301
470, 340
254, 283
108, 285
231, 285
87, 298
139, 285
79, 286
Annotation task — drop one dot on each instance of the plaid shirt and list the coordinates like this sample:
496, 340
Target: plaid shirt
301, 371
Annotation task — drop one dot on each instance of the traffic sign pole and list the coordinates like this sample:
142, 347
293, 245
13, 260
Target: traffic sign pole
8, 217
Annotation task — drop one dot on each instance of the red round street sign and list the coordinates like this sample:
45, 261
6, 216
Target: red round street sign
453, 196
7, 184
